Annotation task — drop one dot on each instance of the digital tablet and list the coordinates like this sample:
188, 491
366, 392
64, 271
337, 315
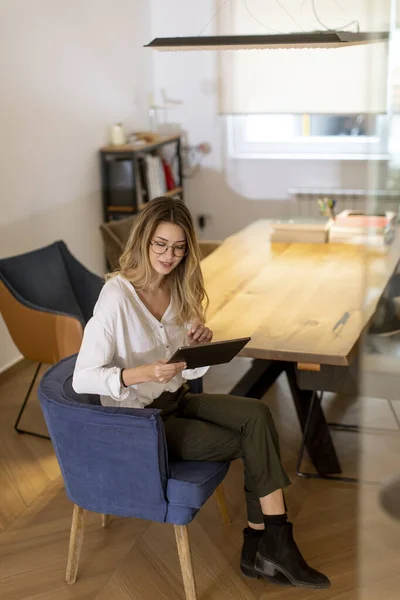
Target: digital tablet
204, 355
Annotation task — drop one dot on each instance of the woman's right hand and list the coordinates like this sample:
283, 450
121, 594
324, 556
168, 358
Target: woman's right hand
159, 372
162, 371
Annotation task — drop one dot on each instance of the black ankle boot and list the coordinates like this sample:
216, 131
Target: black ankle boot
278, 553
247, 559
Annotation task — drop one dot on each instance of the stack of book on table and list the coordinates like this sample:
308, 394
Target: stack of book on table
348, 227
300, 231
351, 227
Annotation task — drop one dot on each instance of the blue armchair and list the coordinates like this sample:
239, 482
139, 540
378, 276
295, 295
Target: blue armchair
114, 461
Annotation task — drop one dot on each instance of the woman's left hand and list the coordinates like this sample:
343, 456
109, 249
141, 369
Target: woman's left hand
199, 334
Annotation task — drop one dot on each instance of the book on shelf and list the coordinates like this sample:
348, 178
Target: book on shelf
300, 231
155, 177
160, 176
150, 177
143, 194
169, 178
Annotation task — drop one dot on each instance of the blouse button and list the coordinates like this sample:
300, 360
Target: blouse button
167, 347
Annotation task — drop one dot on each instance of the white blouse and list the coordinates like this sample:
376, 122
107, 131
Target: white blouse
123, 333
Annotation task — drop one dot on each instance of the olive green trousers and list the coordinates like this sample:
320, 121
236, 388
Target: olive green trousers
219, 428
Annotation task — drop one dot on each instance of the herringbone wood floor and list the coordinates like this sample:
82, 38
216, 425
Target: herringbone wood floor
339, 527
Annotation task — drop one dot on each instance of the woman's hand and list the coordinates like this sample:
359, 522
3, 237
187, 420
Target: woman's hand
159, 372
162, 372
199, 334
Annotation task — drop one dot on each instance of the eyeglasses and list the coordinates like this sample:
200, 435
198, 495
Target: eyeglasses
162, 248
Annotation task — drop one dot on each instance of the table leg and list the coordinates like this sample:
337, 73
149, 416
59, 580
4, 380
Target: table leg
319, 442
258, 379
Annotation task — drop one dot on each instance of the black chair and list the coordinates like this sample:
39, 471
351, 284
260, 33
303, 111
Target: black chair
46, 298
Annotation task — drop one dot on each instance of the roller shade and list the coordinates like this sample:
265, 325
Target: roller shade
319, 81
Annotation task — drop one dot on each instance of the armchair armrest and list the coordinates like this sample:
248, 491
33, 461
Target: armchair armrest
113, 460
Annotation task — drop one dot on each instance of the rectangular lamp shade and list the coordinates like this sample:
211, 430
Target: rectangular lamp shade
323, 39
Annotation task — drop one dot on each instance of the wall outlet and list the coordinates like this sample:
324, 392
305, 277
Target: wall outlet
201, 221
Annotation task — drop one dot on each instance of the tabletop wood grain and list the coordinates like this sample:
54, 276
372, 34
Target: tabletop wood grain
305, 303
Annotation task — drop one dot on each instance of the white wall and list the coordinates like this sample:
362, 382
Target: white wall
67, 70
232, 192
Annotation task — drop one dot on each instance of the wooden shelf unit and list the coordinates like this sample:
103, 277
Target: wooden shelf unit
121, 209
160, 140
175, 192
120, 198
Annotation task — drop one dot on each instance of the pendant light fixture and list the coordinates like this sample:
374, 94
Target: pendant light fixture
313, 39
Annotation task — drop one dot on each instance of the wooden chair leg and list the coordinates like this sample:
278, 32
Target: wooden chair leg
105, 520
75, 544
223, 508
182, 541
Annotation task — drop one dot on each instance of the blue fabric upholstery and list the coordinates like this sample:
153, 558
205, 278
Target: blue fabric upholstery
51, 279
191, 483
114, 460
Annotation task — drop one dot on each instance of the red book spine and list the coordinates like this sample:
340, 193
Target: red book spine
171, 185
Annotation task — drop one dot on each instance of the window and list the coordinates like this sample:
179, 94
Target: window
308, 136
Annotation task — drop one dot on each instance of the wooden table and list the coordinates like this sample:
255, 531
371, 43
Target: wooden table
305, 306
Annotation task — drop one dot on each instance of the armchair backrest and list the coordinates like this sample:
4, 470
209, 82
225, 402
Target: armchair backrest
85, 284
115, 235
46, 298
40, 279
113, 460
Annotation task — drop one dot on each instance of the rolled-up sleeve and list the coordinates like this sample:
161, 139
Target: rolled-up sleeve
92, 374
194, 373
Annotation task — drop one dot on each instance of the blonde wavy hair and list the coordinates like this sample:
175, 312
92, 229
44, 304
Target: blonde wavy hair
186, 280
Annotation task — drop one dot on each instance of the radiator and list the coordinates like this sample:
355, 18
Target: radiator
306, 200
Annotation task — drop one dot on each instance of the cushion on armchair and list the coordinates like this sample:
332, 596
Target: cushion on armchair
191, 483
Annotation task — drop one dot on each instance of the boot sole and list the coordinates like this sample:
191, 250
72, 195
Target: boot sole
249, 572
267, 568
253, 574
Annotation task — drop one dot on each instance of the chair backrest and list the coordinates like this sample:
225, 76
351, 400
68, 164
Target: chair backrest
113, 460
40, 279
115, 235
46, 298
85, 284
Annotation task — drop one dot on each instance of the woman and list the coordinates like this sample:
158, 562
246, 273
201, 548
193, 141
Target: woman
154, 304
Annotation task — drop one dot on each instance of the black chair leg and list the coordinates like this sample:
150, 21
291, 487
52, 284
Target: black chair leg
305, 475
45, 437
